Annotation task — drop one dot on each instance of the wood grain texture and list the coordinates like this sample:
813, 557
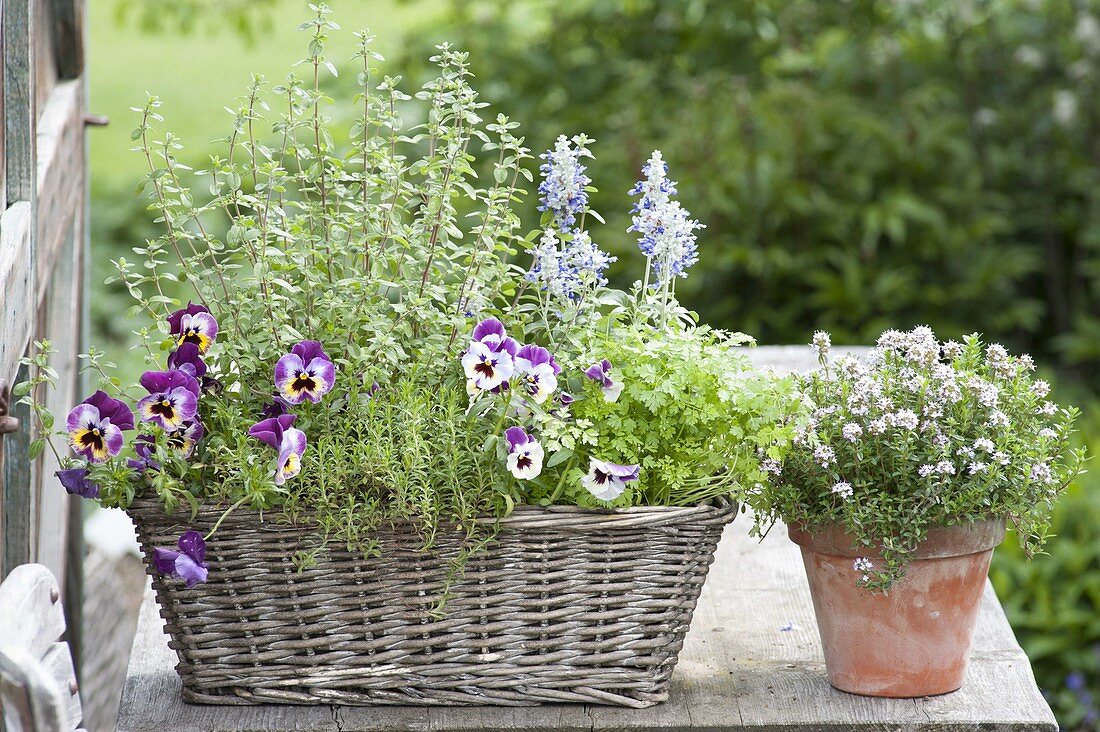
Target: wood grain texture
68, 33
17, 284
60, 183
19, 100
37, 680
738, 670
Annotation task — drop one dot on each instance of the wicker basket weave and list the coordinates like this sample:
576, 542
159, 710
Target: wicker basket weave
565, 605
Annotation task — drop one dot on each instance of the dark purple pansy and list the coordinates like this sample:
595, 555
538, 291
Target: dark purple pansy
270, 430
193, 324
95, 426
305, 373
188, 564
173, 399
187, 359
76, 482
145, 448
184, 440
601, 373
565, 399
275, 408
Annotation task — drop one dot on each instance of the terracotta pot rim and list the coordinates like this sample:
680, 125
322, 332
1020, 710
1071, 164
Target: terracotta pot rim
954, 540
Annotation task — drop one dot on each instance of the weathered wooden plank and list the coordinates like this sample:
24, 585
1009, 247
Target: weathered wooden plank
58, 661
30, 701
45, 54
68, 31
17, 284
60, 144
18, 527
31, 617
19, 112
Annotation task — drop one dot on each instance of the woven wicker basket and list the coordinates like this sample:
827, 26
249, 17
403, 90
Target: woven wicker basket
565, 605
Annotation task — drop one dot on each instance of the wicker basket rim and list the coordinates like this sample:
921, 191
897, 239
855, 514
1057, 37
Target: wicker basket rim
716, 510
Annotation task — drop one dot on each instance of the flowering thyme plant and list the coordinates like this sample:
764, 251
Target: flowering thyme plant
917, 435
366, 343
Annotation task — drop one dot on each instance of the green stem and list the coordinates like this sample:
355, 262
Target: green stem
226, 513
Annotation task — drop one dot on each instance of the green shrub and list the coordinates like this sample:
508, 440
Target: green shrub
1053, 601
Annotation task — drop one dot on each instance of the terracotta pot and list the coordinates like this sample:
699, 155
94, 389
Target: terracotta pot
915, 640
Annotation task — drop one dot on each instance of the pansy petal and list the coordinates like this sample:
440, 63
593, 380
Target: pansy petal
271, 430
324, 371
516, 436
175, 318
309, 350
75, 481
193, 545
165, 560
187, 359
112, 437
487, 327
112, 409
157, 382
81, 416
190, 571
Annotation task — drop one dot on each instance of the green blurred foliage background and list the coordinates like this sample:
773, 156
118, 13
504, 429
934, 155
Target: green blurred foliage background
860, 164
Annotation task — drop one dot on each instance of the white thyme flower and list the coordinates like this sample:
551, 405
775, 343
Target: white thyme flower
771, 465
852, 432
977, 467
1026, 362
1040, 388
824, 455
821, 343
997, 418
1047, 408
1040, 472
843, 489
1047, 433
926, 470
952, 350
984, 444
864, 565
877, 426
945, 467
1000, 458
904, 419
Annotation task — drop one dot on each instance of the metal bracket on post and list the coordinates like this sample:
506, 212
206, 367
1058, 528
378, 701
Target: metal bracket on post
7, 424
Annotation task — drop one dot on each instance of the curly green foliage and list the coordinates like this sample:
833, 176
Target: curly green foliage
693, 413
926, 435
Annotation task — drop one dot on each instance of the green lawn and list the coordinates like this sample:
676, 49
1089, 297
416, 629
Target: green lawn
197, 74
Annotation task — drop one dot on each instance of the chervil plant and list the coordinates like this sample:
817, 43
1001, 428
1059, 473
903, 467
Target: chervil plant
366, 343
921, 434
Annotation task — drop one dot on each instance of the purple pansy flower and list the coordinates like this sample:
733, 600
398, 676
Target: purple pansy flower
601, 373
536, 366
291, 449
305, 373
491, 333
565, 399
485, 368
76, 482
188, 564
290, 442
173, 399
145, 447
193, 324
95, 426
186, 437
187, 359
524, 453
607, 481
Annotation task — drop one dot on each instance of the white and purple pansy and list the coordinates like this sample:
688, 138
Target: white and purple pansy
188, 564
485, 368
75, 481
525, 454
173, 399
305, 373
193, 324
95, 426
289, 441
601, 374
536, 367
607, 481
